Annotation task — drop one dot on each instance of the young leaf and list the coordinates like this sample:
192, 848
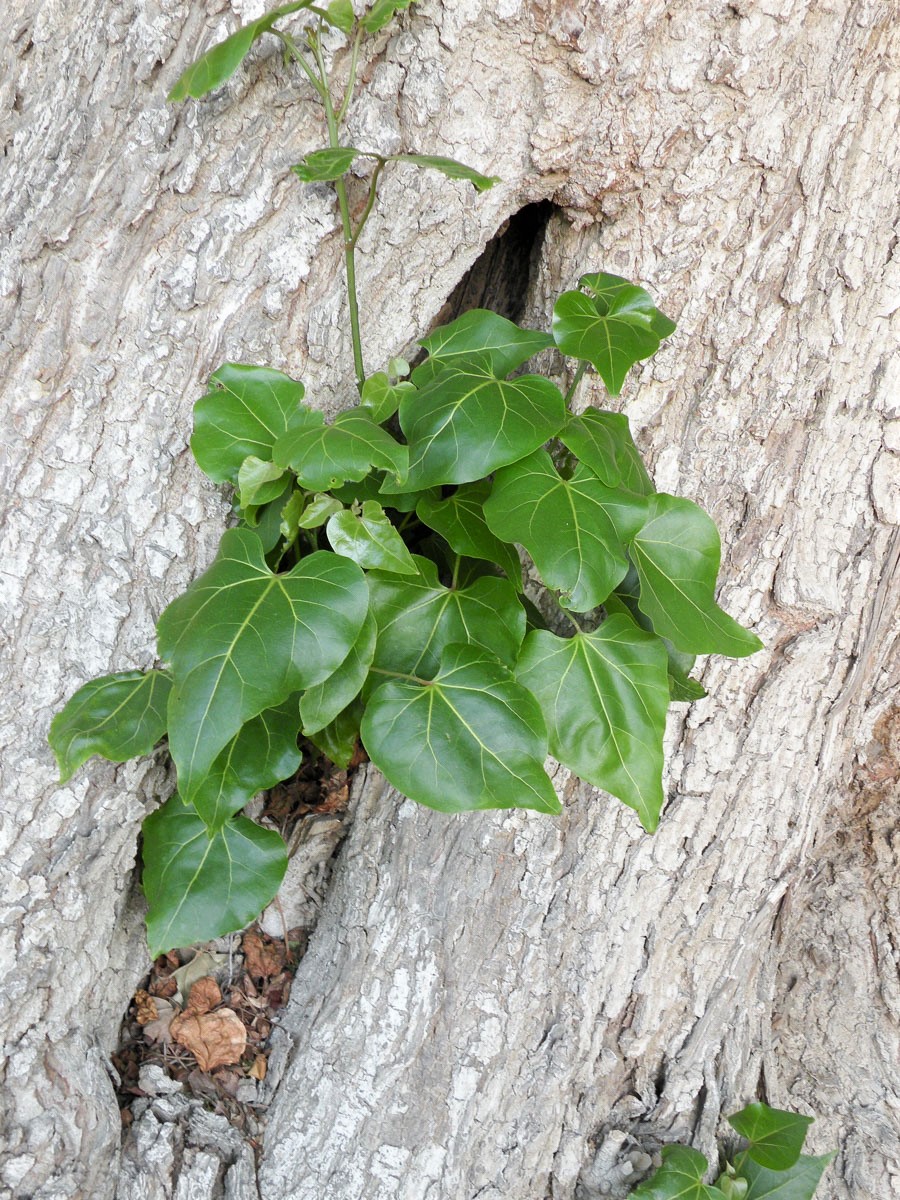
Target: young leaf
244, 412
677, 556
340, 14
324, 165
417, 617
471, 739
117, 716
460, 521
370, 540
323, 704
603, 442
679, 1178
220, 63
290, 517
605, 696
382, 398
337, 740
776, 1137
200, 885
267, 519
468, 422
326, 456
613, 329
320, 508
574, 529
262, 753
449, 167
798, 1182
241, 640
381, 12
259, 481
484, 334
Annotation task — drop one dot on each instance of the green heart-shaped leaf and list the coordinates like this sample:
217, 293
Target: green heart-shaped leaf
322, 704
605, 696
263, 753
677, 556
320, 507
201, 884
117, 716
574, 529
625, 600
679, 1178
460, 521
266, 520
241, 640
337, 740
221, 62
325, 456
324, 165
340, 14
776, 1137
381, 12
245, 411
449, 167
417, 617
382, 398
471, 739
259, 481
484, 334
466, 422
613, 329
603, 442
370, 540
798, 1182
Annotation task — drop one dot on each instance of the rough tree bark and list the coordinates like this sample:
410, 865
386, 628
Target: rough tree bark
486, 997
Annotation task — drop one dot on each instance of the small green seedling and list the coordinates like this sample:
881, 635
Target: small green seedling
373, 587
771, 1165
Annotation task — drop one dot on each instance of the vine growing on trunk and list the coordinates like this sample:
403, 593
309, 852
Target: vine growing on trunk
373, 586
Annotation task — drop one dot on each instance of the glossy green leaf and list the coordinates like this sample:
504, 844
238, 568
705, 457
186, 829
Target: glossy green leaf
337, 740
382, 397
241, 640
798, 1182
776, 1137
679, 1178
677, 556
325, 165
326, 456
467, 422
449, 167
614, 328
604, 696
380, 13
370, 539
603, 442
261, 754
220, 63
574, 529
679, 665
245, 411
320, 507
322, 704
484, 334
471, 739
259, 481
339, 13
290, 517
117, 716
731, 1186
417, 617
201, 884
460, 521
266, 520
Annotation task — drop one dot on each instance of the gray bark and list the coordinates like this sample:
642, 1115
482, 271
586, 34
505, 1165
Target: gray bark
485, 998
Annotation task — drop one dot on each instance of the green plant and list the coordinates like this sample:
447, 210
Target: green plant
770, 1165
373, 588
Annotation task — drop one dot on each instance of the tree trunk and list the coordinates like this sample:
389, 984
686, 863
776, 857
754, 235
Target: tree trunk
486, 997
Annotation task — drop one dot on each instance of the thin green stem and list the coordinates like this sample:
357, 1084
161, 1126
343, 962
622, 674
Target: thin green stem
343, 204
573, 386
370, 200
297, 55
565, 612
351, 80
399, 675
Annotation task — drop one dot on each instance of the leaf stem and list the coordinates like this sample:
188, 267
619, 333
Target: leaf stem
573, 386
373, 191
565, 612
351, 81
297, 55
400, 675
343, 204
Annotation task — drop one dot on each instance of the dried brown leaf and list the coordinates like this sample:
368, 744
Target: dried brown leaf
258, 1070
263, 958
145, 1008
205, 995
160, 1029
215, 1039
